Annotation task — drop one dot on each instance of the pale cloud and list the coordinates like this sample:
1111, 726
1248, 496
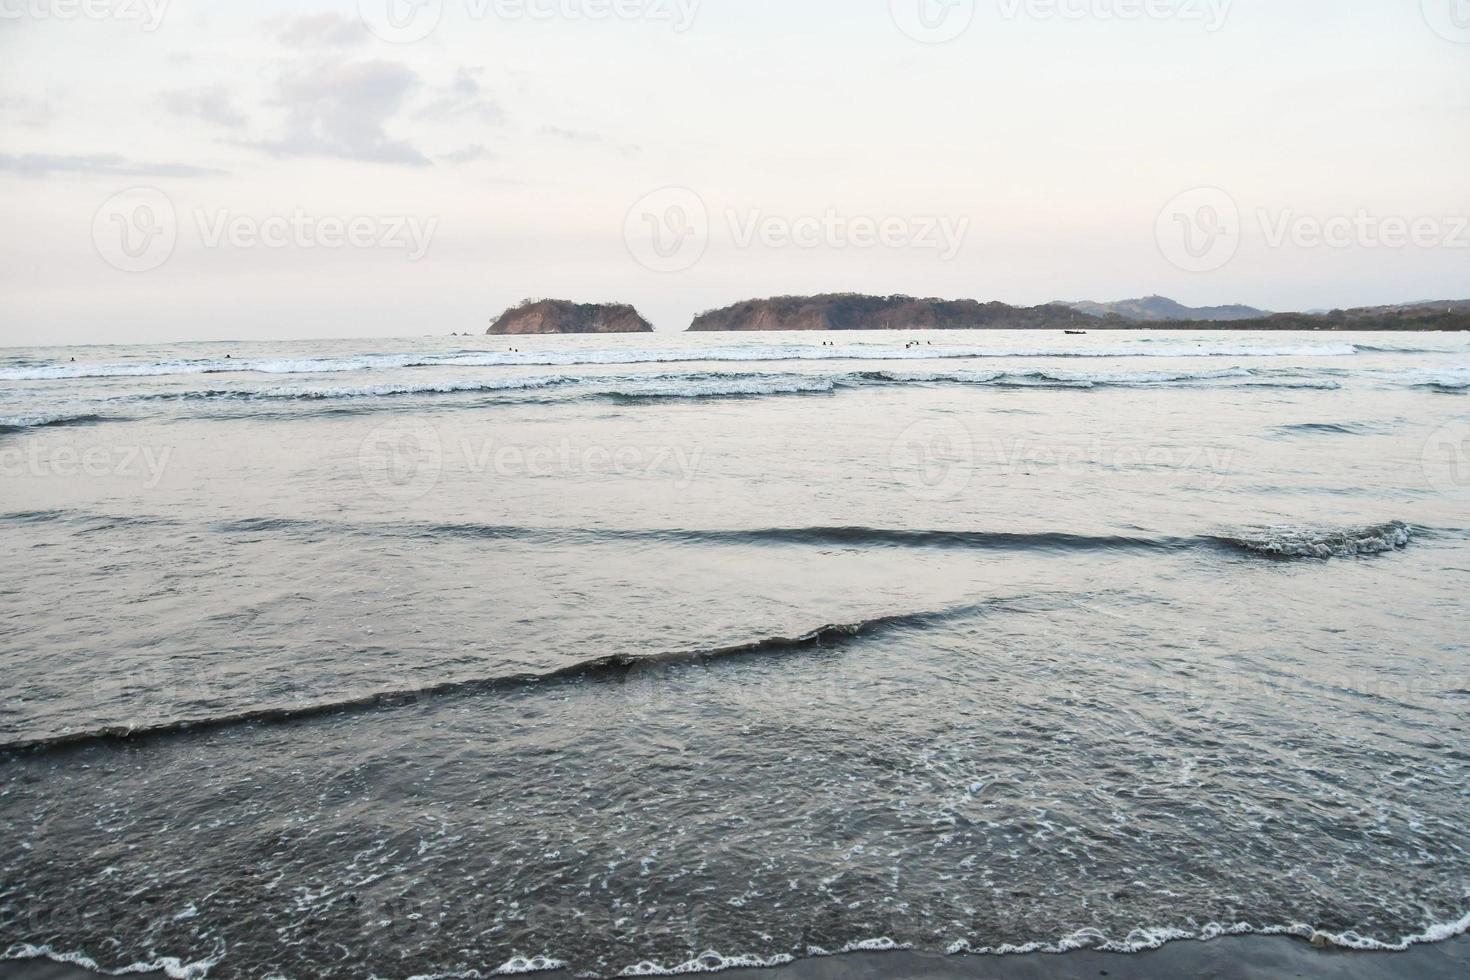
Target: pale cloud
468, 154
96, 164
213, 104
343, 109
327, 30
465, 98
588, 138
572, 135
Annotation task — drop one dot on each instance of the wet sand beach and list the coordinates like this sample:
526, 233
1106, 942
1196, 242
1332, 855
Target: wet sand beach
1236, 958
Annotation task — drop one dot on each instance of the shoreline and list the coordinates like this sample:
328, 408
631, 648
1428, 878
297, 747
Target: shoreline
1223, 958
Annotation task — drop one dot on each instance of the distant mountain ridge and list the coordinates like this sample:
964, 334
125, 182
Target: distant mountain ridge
1158, 309
1424, 306
854, 311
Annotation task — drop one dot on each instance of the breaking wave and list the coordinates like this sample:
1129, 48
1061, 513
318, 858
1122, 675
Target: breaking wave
1285, 541
302, 393
736, 384
1306, 542
553, 358
619, 667
20, 423
1327, 428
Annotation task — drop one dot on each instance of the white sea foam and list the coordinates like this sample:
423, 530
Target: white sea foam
1146, 938
1226, 377
880, 945
717, 387
753, 353
308, 393
726, 384
1455, 378
172, 966
516, 966
1138, 940
707, 962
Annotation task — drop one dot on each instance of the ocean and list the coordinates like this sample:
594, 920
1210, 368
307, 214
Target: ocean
635, 655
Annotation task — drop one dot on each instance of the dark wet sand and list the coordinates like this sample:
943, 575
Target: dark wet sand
1243, 958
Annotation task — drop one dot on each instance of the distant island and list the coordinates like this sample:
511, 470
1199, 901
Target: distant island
554, 316
851, 311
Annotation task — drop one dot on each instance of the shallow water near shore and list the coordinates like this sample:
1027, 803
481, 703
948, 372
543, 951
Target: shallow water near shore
629, 655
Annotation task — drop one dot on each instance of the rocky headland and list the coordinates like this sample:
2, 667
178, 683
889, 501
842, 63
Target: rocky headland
554, 316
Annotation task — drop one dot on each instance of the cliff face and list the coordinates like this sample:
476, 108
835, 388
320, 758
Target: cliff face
847, 311
549, 316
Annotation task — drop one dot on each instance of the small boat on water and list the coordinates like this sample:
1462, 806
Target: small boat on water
1077, 333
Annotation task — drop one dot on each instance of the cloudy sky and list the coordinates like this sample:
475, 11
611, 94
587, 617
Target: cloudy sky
186, 169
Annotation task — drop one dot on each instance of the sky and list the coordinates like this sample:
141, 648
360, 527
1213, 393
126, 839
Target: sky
193, 170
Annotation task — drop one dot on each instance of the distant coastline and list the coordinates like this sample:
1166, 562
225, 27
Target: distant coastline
836, 312
848, 311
